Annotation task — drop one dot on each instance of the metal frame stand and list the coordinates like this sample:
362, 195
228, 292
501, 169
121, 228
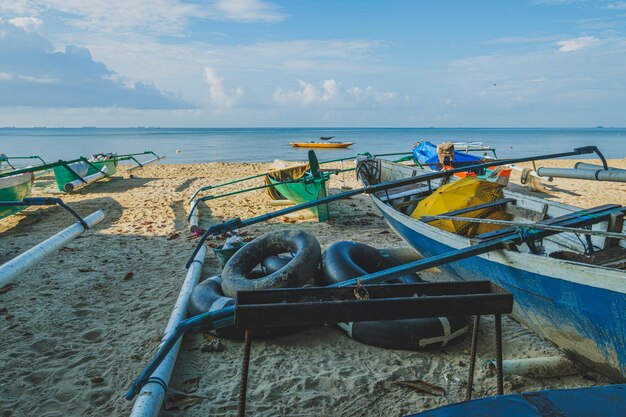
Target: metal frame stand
277, 308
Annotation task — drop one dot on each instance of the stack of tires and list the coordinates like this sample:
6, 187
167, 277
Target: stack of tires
293, 259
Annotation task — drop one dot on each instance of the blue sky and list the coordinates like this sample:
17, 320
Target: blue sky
246, 63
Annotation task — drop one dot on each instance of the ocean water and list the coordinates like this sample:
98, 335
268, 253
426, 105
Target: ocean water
183, 145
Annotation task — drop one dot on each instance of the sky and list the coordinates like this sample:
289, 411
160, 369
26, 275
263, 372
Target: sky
312, 63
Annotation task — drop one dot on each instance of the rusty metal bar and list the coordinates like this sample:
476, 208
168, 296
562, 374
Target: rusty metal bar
472, 365
499, 372
245, 370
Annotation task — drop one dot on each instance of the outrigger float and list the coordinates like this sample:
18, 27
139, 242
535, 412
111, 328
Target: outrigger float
474, 251
73, 174
20, 264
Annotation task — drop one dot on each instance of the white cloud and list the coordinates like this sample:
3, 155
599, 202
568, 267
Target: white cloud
28, 23
169, 17
34, 74
249, 10
332, 93
577, 44
219, 97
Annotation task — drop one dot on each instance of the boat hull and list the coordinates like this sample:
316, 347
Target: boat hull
576, 306
304, 192
64, 176
321, 145
15, 188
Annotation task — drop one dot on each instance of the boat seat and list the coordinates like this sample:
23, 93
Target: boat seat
491, 204
553, 221
385, 198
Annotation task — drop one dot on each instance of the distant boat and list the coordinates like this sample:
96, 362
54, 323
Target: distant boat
326, 137
321, 144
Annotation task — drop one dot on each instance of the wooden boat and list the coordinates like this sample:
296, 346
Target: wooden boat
581, 402
323, 145
15, 188
570, 298
300, 183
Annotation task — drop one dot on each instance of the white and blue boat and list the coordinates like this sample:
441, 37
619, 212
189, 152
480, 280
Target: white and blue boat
568, 288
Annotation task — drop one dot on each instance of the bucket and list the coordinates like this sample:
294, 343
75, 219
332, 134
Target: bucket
225, 254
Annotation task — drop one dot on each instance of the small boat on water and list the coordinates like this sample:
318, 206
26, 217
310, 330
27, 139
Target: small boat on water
322, 145
568, 289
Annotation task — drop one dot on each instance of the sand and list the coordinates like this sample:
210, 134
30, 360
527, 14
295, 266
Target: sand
80, 326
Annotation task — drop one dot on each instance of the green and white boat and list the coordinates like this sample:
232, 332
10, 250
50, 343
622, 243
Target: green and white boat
300, 183
15, 188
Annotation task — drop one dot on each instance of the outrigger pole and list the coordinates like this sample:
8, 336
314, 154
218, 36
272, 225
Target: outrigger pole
237, 223
211, 187
193, 202
517, 235
514, 235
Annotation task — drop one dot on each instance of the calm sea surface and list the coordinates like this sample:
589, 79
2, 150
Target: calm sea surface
267, 144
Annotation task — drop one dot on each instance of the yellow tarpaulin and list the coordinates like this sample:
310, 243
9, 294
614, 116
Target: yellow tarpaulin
463, 193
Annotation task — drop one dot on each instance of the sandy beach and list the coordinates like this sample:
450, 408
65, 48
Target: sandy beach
80, 326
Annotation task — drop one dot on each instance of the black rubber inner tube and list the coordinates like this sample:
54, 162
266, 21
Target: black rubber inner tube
208, 296
348, 260
306, 258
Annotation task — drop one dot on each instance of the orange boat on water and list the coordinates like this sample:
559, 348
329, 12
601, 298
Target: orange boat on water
321, 144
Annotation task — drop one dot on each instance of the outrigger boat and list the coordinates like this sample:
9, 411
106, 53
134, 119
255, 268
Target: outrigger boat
563, 283
299, 183
77, 173
571, 291
312, 186
15, 188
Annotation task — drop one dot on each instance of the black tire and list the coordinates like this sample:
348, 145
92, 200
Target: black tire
208, 296
306, 258
408, 334
347, 260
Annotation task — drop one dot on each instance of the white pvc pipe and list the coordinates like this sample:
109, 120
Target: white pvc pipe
76, 184
150, 399
143, 164
21, 263
531, 173
542, 367
193, 215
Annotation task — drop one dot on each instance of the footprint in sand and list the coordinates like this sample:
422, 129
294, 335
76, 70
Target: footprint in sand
93, 335
81, 313
43, 345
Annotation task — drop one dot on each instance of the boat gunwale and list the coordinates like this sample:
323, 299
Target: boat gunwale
575, 272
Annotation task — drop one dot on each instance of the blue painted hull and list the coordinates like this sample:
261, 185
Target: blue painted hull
606, 401
583, 319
